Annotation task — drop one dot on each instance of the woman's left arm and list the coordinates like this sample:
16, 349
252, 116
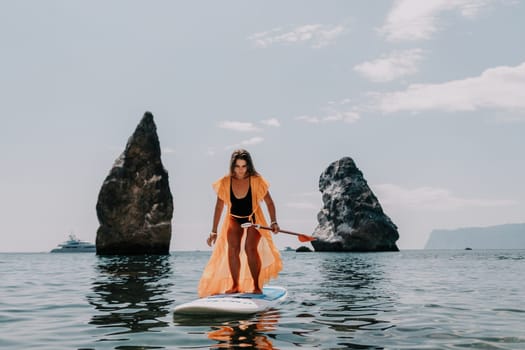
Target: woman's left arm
271, 210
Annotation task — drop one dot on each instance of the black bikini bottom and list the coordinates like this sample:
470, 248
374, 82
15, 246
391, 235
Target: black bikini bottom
243, 220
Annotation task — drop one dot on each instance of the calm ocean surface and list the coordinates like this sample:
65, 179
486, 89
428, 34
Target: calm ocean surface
415, 299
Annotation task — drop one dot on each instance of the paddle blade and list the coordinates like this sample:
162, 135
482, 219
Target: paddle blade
305, 238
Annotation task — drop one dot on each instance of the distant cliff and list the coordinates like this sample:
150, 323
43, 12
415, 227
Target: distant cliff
509, 236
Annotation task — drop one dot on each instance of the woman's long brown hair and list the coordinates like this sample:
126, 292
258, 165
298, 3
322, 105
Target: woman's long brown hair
244, 155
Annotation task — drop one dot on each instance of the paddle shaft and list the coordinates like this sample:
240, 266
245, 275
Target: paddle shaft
283, 231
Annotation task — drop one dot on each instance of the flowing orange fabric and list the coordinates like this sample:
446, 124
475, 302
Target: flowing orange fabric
216, 277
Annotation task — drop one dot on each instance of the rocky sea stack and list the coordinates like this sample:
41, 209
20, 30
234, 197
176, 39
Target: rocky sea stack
352, 218
135, 205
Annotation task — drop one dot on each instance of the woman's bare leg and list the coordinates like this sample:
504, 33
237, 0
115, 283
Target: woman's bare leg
234, 248
254, 260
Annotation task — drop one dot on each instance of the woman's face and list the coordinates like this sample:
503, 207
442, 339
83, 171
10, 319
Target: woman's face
240, 168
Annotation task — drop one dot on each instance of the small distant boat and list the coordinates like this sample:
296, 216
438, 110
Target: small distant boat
75, 245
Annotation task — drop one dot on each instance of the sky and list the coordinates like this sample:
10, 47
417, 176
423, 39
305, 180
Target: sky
427, 97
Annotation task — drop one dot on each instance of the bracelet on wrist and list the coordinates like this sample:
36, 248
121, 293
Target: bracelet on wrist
213, 233
274, 223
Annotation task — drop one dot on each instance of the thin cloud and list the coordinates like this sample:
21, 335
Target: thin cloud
249, 142
392, 66
252, 141
302, 205
306, 201
272, 122
347, 117
211, 151
168, 150
431, 198
316, 35
247, 127
315, 194
238, 126
498, 88
411, 20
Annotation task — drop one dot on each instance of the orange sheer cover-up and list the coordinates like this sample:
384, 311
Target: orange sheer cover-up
216, 277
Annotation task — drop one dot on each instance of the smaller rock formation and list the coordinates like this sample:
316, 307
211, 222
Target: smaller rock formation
135, 205
352, 218
303, 249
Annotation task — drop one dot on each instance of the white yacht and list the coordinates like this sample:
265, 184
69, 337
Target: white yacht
75, 245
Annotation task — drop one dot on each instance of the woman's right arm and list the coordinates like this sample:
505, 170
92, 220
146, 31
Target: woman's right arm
219, 206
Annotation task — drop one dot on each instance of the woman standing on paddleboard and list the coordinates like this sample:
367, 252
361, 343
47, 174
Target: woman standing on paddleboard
244, 259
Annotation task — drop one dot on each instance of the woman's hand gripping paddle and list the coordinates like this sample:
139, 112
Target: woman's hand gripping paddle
300, 236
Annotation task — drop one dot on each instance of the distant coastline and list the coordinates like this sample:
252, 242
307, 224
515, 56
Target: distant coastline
507, 236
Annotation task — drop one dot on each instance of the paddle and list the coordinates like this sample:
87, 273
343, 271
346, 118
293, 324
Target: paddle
300, 236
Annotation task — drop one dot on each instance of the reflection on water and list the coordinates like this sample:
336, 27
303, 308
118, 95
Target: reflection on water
345, 272
338, 301
356, 299
130, 293
410, 300
252, 333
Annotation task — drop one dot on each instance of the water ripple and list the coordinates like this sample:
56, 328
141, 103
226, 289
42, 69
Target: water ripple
406, 300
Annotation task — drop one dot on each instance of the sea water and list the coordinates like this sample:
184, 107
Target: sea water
419, 299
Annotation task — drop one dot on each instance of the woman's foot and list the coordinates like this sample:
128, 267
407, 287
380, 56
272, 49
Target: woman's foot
232, 290
257, 291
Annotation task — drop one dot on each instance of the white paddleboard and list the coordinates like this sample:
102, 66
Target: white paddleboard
237, 303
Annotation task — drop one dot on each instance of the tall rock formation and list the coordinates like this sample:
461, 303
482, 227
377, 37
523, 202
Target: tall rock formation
135, 205
352, 218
